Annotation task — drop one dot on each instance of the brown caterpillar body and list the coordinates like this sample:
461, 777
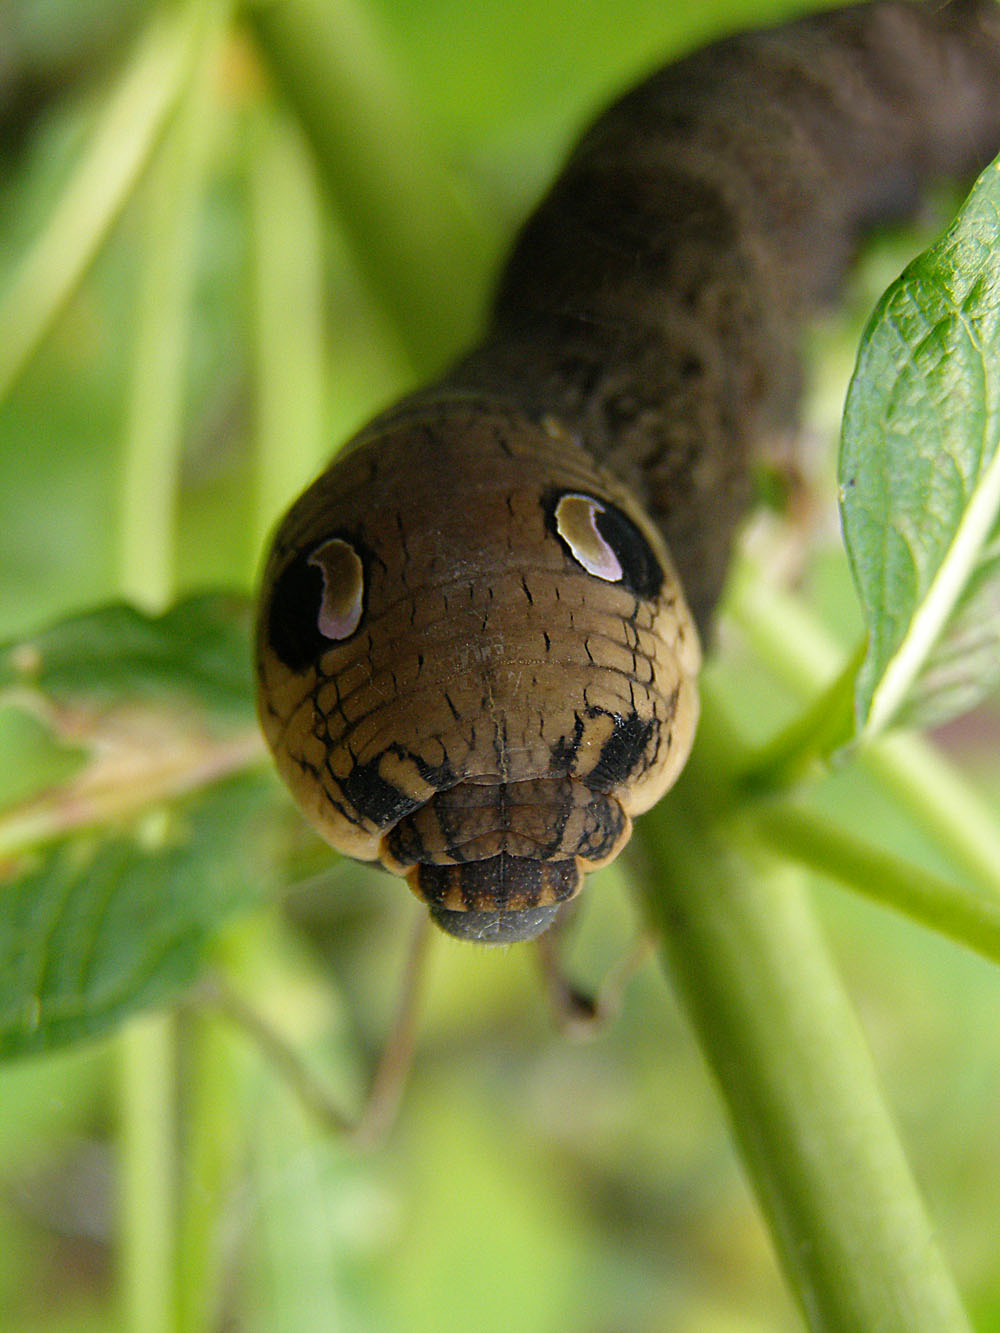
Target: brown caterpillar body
476, 656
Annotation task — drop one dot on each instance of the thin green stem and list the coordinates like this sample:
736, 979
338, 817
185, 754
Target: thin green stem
289, 326
809, 741
123, 140
797, 1079
146, 1202
423, 253
962, 915
944, 805
150, 479
929, 789
781, 629
154, 433
214, 1149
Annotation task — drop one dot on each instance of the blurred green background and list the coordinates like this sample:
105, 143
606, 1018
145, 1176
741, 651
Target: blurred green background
531, 1184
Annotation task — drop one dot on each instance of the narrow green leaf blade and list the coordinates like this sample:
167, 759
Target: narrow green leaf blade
920, 478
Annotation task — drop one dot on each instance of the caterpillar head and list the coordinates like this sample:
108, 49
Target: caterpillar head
475, 662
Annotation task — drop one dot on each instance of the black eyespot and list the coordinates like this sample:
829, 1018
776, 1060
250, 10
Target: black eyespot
293, 616
605, 542
317, 600
642, 573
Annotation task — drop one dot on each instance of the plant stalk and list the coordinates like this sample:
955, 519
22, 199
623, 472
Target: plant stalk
939, 800
125, 136
960, 914
288, 279
794, 1070
151, 459
423, 253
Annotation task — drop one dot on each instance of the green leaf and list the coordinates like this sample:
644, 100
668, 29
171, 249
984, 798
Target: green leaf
142, 709
96, 929
158, 819
920, 478
196, 654
33, 758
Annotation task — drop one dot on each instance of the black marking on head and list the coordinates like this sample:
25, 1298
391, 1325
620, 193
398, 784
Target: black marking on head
621, 753
641, 572
566, 749
381, 802
405, 843
376, 800
495, 927
438, 776
439, 834
604, 827
293, 615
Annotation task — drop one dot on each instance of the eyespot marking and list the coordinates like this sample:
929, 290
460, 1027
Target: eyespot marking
318, 599
607, 543
576, 524
343, 596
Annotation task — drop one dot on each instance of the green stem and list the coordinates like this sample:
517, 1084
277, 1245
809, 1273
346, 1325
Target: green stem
423, 254
148, 502
809, 741
929, 789
148, 1171
964, 916
797, 1078
214, 1149
786, 635
123, 140
154, 432
941, 802
289, 326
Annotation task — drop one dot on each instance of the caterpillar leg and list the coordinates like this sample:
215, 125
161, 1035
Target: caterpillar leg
388, 1081
579, 1013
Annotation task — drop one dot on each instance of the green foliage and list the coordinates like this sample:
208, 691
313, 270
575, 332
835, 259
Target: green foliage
96, 928
156, 714
193, 660
189, 266
920, 478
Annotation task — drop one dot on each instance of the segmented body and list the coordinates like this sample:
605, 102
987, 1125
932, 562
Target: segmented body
478, 643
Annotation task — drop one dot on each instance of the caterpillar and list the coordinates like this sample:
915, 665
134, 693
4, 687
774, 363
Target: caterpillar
479, 631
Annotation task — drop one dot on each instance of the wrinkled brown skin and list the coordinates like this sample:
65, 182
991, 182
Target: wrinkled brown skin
501, 713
